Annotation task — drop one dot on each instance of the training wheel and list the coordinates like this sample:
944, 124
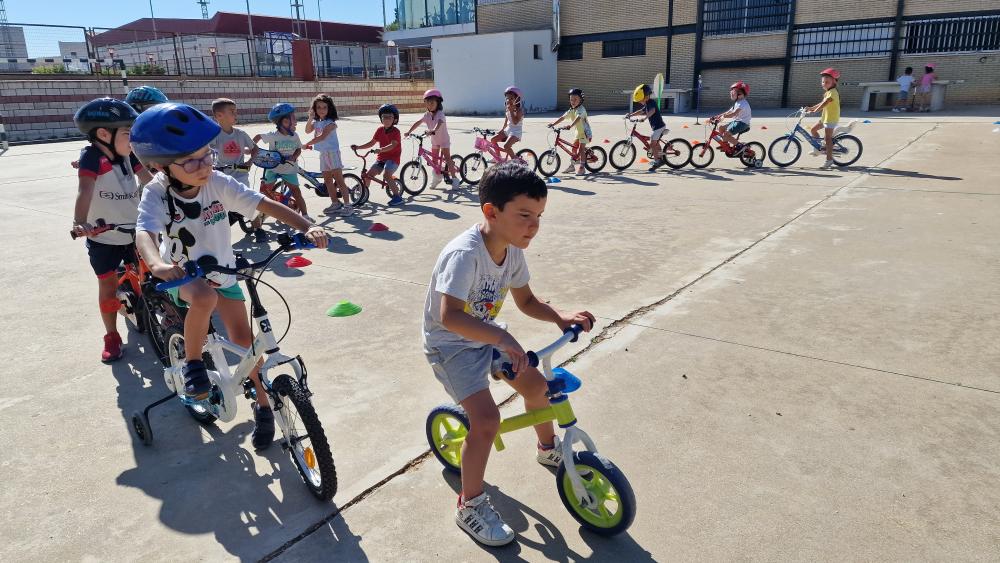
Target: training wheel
140, 424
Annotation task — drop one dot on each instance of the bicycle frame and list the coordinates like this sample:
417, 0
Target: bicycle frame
567, 147
364, 169
799, 130
489, 146
432, 160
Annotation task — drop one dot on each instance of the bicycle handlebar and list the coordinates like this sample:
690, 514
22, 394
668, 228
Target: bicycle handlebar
195, 270
484, 132
571, 334
103, 229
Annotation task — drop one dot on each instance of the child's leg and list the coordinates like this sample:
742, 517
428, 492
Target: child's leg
435, 154
829, 143
201, 300
297, 194
531, 385
233, 313
727, 136
331, 187
815, 129
107, 299
484, 422
449, 166
508, 147
581, 152
390, 181
657, 148
338, 177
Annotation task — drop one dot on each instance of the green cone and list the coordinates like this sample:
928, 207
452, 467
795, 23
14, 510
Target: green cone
343, 309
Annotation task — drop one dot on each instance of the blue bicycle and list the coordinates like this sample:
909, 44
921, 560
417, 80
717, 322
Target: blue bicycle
787, 149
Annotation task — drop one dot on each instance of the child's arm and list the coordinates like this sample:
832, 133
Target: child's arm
148, 246
531, 306
455, 319
414, 126
364, 146
556, 122
327, 131
295, 155
144, 176
575, 121
819, 106
82, 207
388, 147
309, 123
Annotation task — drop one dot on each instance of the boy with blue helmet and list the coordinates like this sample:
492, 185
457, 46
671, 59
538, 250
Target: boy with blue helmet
108, 193
187, 204
286, 141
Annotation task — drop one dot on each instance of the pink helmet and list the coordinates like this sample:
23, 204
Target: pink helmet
433, 92
831, 72
513, 90
931, 66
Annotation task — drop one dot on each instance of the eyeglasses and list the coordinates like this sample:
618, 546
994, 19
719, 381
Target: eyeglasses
192, 165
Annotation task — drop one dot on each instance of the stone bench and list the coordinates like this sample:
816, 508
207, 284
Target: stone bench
872, 89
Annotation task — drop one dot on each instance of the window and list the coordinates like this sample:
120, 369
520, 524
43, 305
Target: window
858, 40
950, 35
624, 48
538, 52
730, 17
570, 52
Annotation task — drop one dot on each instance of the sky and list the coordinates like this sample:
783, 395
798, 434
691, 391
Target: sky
113, 13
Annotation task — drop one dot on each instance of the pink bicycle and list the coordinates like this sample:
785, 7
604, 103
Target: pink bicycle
413, 176
475, 164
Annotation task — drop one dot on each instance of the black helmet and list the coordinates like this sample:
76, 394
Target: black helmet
108, 113
389, 108
575, 92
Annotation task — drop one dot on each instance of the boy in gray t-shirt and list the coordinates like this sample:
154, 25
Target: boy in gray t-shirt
468, 287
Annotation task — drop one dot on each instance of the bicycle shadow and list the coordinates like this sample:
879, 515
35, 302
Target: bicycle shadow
879, 171
701, 173
463, 195
779, 172
620, 178
413, 208
553, 546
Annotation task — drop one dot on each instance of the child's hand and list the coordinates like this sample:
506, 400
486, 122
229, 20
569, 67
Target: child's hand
83, 229
167, 272
75, 164
582, 318
518, 359
317, 236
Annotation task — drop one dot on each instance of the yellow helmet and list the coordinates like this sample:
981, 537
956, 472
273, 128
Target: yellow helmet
640, 92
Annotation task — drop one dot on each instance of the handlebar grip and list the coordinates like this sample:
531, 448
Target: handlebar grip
507, 369
533, 359
193, 273
576, 330
299, 241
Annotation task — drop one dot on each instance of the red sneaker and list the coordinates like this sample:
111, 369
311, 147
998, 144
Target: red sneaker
112, 347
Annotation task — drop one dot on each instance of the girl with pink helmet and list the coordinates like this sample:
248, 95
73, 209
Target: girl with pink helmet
437, 128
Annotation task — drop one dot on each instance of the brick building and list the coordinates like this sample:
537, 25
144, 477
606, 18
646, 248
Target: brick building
778, 46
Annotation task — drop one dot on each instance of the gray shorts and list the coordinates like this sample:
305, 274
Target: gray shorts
463, 371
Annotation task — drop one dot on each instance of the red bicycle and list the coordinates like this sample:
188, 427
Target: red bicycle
676, 152
752, 154
550, 161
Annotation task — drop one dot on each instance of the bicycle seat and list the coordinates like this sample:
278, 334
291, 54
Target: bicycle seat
563, 381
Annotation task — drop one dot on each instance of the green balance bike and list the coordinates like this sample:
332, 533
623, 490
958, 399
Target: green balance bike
593, 489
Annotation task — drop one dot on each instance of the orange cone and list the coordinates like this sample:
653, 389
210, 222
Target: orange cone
378, 227
297, 262
643, 160
763, 126
607, 142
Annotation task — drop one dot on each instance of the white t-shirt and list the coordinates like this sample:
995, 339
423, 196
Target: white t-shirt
466, 271
116, 192
200, 228
286, 145
742, 109
329, 144
905, 82
231, 146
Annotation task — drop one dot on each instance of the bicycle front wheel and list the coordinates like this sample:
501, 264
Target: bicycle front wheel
357, 189
676, 153
305, 440
413, 178
702, 155
472, 169
611, 507
785, 150
622, 155
549, 163
846, 150
596, 159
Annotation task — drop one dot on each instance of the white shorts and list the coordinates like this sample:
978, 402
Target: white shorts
330, 160
831, 125
655, 135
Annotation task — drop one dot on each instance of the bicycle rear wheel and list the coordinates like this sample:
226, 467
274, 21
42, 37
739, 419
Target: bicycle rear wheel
456, 161
473, 167
622, 155
357, 189
596, 159
676, 153
529, 157
175, 356
846, 150
753, 155
305, 441
413, 178
161, 316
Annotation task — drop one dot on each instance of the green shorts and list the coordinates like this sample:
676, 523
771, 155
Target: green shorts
232, 292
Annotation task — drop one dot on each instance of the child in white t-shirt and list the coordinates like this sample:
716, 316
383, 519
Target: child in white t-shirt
740, 114
905, 81
323, 123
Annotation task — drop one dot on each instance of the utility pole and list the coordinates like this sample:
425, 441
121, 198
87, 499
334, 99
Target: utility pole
204, 9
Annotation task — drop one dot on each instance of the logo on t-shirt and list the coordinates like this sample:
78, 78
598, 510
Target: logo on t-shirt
214, 213
232, 150
488, 299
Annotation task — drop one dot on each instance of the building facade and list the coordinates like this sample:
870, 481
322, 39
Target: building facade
778, 46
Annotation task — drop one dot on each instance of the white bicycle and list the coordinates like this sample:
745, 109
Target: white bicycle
289, 394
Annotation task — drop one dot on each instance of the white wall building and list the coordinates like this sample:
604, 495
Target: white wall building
472, 71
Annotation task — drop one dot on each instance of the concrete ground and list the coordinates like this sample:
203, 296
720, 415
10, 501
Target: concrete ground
790, 364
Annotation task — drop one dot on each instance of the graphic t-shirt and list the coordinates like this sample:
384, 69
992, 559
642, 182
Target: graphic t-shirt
231, 147
905, 82
197, 228
286, 145
831, 111
655, 120
384, 138
742, 109
116, 192
583, 126
465, 270
331, 143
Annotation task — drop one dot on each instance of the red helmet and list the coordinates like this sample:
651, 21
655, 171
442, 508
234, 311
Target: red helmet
831, 72
742, 86
433, 92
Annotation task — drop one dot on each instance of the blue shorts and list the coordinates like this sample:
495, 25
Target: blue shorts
737, 127
389, 166
270, 176
903, 94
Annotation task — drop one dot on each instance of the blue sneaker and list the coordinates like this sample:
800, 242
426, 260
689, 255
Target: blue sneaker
396, 200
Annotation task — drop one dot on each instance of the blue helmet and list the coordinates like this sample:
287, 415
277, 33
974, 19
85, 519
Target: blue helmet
108, 113
166, 132
389, 108
144, 96
279, 111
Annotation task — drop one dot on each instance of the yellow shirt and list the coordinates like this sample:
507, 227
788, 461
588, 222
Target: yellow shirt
831, 111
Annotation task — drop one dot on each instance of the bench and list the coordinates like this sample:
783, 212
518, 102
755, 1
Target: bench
680, 96
872, 89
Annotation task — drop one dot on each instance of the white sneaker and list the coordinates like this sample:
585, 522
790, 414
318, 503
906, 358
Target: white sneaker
814, 152
481, 521
333, 209
345, 211
435, 180
455, 182
827, 165
571, 168
552, 457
